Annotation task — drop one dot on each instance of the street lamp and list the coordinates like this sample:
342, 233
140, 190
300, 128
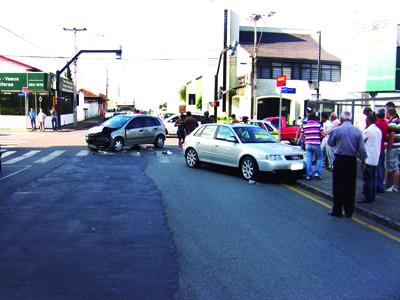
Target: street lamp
118, 54
232, 48
254, 18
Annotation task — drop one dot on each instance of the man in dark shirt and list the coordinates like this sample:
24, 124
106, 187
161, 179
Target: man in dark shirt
190, 123
348, 143
206, 119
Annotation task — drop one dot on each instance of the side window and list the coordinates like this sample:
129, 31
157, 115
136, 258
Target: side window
150, 122
173, 120
269, 128
136, 123
209, 132
199, 132
223, 133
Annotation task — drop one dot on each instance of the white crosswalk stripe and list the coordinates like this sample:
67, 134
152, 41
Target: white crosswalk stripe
22, 157
83, 153
49, 157
7, 153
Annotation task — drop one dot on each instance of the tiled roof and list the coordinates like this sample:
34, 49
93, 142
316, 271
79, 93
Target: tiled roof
285, 45
88, 93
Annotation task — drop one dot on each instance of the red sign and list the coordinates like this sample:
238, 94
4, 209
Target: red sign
281, 81
25, 90
55, 100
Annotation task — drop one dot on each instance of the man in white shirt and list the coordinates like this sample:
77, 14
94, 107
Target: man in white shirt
372, 137
330, 150
326, 125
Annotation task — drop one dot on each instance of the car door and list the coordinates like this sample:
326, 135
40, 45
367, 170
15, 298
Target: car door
204, 143
226, 152
151, 128
134, 131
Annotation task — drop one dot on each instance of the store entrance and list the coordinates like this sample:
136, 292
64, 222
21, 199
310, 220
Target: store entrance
269, 107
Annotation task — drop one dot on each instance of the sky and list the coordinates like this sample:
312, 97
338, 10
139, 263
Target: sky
164, 43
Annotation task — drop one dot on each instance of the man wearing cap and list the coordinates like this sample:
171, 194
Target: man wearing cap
348, 143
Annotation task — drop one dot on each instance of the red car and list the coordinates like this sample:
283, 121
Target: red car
288, 132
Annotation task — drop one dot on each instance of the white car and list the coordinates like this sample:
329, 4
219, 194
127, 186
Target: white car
169, 122
251, 149
109, 113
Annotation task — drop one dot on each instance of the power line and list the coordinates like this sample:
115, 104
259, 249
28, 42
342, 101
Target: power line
22, 38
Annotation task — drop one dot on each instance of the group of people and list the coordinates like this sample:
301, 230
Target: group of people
338, 144
41, 117
187, 124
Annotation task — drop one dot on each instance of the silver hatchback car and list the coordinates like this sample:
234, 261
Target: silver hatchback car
249, 148
126, 130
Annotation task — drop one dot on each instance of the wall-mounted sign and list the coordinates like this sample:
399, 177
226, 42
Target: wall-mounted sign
17, 81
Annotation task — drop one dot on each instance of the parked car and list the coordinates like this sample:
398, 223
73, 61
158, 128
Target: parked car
169, 122
109, 113
249, 148
288, 132
272, 130
126, 130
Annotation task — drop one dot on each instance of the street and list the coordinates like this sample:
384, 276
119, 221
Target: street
142, 225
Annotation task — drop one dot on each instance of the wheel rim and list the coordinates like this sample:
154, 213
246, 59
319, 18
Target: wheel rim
118, 145
191, 158
160, 142
248, 169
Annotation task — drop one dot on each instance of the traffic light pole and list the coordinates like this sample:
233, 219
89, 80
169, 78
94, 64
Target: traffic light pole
216, 98
59, 72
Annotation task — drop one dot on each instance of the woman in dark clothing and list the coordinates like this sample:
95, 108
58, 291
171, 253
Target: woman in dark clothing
181, 133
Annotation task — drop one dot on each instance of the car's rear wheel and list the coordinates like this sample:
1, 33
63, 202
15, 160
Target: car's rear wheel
192, 159
118, 145
249, 168
159, 142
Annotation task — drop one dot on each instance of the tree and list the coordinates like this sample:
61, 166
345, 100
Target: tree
182, 93
199, 103
68, 73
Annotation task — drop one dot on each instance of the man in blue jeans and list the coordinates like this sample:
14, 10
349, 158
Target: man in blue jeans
312, 134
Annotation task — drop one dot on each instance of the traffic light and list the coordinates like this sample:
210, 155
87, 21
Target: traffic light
215, 103
220, 92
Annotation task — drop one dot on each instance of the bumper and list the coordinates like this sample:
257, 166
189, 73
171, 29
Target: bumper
99, 142
297, 166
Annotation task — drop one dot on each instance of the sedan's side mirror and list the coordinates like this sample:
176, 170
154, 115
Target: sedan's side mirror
231, 139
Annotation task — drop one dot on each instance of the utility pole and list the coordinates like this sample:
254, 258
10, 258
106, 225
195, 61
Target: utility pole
319, 73
75, 30
107, 90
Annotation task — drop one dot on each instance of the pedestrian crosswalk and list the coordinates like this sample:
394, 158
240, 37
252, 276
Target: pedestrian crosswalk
39, 156
22, 157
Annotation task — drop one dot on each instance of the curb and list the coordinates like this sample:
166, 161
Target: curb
388, 222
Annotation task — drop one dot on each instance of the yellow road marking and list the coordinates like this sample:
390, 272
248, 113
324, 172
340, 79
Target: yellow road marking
355, 219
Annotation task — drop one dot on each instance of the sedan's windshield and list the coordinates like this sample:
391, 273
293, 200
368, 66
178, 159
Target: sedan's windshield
117, 121
250, 134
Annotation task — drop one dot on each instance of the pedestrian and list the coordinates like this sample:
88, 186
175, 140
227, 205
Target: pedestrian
392, 150
326, 126
382, 124
311, 134
41, 118
330, 150
391, 104
54, 117
298, 137
348, 143
372, 137
32, 117
190, 123
366, 112
234, 120
206, 119
245, 120
181, 133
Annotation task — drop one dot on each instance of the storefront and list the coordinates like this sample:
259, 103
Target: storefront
21, 91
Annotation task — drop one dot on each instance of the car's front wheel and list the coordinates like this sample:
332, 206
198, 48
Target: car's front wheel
159, 142
118, 145
249, 168
192, 159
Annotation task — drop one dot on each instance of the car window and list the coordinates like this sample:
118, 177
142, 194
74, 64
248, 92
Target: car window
275, 123
136, 123
173, 120
253, 135
224, 132
269, 127
149, 122
116, 122
208, 132
198, 132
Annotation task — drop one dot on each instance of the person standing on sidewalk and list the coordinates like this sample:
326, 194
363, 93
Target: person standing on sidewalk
206, 119
326, 125
32, 116
372, 139
181, 131
312, 133
41, 118
54, 117
348, 142
392, 150
382, 124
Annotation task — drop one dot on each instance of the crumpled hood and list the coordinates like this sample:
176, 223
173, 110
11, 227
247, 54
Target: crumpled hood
101, 129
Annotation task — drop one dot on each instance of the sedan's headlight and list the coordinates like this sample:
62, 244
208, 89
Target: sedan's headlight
274, 157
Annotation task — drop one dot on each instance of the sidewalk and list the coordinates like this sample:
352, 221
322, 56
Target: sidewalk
384, 210
82, 125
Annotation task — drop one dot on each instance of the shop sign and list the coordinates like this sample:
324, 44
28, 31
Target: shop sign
66, 85
17, 81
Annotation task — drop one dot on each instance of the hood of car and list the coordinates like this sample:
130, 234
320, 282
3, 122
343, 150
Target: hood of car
275, 148
100, 129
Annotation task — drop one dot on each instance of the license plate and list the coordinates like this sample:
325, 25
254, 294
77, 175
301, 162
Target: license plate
294, 167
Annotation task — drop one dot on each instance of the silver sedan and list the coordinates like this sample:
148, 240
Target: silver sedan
249, 148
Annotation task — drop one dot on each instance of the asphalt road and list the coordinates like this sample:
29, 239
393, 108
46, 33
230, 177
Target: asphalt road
142, 225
